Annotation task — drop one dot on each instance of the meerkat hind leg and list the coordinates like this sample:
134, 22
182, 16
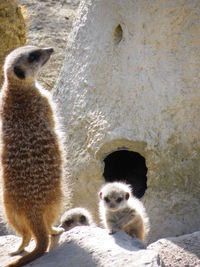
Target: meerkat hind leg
20, 226
135, 229
24, 243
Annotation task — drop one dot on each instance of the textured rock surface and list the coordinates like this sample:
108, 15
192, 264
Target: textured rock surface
12, 29
179, 251
88, 247
138, 89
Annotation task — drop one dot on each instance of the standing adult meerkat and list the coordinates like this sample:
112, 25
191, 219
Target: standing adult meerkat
76, 217
31, 156
120, 210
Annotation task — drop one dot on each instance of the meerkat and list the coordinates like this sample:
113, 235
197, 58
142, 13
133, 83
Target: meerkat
120, 210
31, 155
76, 217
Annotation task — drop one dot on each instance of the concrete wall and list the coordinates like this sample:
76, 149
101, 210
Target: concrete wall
136, 86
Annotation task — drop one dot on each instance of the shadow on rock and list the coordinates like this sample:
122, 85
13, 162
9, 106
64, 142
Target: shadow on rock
128, 243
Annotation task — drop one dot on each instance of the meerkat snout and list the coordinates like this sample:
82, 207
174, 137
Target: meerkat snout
46, 53
49, 50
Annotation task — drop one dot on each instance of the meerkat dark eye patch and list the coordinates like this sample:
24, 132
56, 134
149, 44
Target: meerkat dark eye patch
107, 200
119, 199
20, 73
34, 56
69, 222
82, 219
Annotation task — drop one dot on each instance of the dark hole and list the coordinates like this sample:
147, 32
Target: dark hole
118, 34
129, 167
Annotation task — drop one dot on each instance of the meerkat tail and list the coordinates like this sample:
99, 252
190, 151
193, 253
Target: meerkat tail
41, 237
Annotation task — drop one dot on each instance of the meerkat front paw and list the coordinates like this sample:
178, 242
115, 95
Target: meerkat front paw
57, 230
112, 231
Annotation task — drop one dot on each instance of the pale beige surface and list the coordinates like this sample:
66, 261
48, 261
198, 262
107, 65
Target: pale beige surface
88, 247
48, 24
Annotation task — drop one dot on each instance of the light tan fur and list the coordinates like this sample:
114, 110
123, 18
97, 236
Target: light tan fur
120, 210
31, 156
76, 217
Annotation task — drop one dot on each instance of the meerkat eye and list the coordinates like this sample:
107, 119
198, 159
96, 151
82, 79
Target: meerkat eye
107, 200
119, 199
69, 222
34, 56
82, 219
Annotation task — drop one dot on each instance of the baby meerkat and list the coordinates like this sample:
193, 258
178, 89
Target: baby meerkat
120, 210
31, 152
76, 217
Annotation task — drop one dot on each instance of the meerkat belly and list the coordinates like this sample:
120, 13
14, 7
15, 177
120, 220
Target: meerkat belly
122, 217
31, 158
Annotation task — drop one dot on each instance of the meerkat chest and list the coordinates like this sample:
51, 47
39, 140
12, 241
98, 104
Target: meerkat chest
22, 106
27, 123
122, 216
25, 113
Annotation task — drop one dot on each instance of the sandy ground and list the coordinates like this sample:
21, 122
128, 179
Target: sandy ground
48, 25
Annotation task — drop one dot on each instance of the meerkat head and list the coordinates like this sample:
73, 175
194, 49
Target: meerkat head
115, 195
75, 217
24, 63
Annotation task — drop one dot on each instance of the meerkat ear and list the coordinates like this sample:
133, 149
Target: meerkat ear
19, 72
127, 196
100, 195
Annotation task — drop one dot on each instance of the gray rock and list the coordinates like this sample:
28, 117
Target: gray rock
88, 247
179, 251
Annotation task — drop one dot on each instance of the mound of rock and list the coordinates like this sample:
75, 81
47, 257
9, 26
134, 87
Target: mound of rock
87, 246
179, 251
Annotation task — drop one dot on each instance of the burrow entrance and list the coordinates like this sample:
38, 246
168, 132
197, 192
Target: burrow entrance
129, 167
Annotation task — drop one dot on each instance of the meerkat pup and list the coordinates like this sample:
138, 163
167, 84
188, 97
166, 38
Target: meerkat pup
31, 156
120, 210
76, 217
